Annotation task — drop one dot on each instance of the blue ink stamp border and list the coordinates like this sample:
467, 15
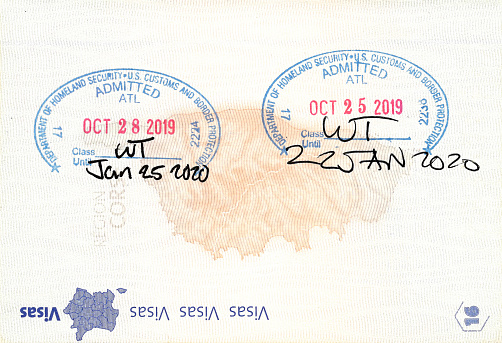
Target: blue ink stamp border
43, 107
268, 92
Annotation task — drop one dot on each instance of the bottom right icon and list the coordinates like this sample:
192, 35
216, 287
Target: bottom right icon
470, 318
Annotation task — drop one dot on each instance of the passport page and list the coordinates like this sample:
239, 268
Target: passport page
250, 171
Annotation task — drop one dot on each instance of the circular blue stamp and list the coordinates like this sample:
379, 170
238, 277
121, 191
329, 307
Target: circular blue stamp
88, 116
346, 85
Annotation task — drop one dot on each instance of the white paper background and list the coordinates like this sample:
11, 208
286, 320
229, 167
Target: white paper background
399, 280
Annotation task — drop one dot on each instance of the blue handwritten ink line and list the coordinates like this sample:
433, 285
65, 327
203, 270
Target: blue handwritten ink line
144, 158
376, 139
